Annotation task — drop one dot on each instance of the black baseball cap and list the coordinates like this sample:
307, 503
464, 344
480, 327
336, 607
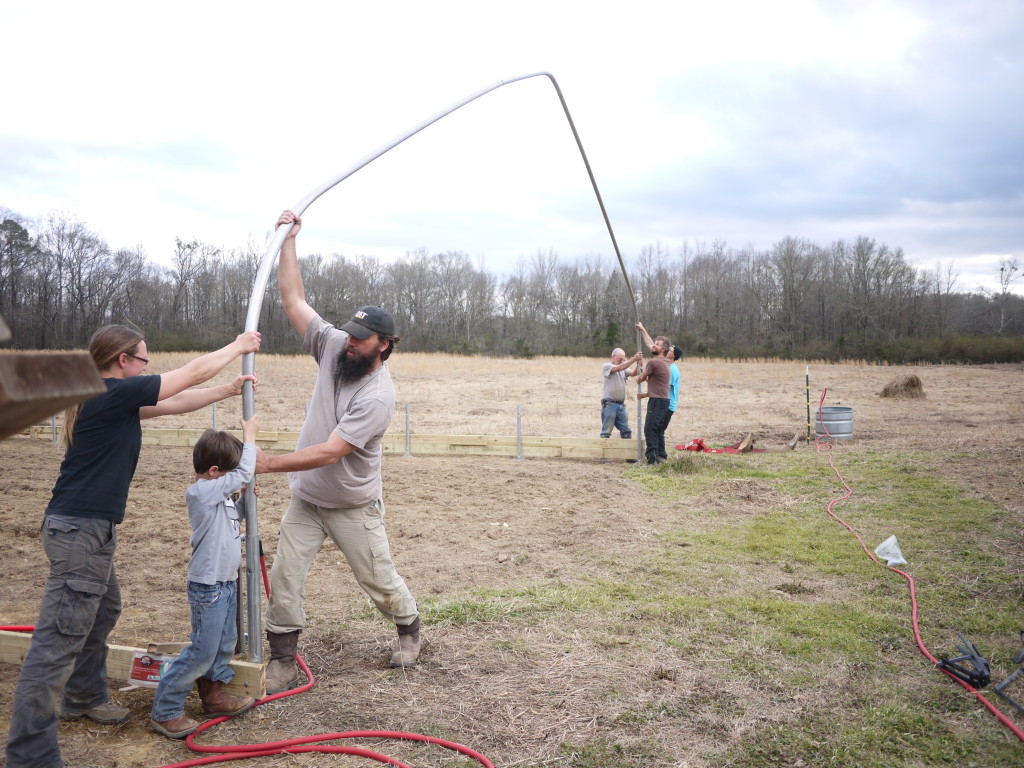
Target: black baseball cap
368, 321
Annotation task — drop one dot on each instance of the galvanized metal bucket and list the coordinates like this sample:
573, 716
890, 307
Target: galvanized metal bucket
835, 420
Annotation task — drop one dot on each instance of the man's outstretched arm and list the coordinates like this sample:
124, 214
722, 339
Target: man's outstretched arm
289, 278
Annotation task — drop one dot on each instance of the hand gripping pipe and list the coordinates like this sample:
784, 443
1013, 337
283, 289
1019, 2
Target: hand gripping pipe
254, 638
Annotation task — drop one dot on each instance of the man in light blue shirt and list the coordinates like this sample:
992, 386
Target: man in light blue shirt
674, 354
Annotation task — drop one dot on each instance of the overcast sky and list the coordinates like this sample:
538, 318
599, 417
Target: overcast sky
737, 121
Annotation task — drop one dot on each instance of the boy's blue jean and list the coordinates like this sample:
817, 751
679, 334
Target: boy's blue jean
214, 633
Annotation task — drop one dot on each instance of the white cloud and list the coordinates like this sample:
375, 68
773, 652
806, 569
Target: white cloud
736, 121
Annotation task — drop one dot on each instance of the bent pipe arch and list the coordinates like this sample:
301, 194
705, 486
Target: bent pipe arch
254, 644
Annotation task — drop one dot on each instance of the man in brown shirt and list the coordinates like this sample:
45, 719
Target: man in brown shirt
657, 375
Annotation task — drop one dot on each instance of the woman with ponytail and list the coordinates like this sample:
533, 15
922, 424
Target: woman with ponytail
82, 598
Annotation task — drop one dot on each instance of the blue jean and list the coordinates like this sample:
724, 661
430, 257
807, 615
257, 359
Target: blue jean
81, 603
213, 645
614, 415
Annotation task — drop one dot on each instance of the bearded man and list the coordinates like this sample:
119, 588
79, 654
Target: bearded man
334, 473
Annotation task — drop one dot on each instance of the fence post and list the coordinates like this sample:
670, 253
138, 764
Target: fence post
53, 428
519, 432
213, 408
408, 440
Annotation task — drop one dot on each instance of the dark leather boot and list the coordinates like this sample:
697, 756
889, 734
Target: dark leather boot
407, 648
216, 703
282, 671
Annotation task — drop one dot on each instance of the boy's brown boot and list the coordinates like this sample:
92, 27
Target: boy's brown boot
216, 703
178, 728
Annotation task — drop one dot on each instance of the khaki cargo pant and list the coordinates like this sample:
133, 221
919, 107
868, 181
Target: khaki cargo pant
360, 535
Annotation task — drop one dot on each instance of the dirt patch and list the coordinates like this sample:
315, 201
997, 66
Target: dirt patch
513, 689
745, 496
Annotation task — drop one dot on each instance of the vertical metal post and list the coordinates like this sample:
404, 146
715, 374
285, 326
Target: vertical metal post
408, 439
807, 387
253, 602
240, 641
639, 406
519, 432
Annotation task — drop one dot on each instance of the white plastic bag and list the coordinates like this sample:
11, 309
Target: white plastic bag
889, 550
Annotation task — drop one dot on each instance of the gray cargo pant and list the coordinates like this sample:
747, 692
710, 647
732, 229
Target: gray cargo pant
80, 606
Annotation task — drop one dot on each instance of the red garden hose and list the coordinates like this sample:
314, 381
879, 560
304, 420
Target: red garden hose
910, 581
222, 754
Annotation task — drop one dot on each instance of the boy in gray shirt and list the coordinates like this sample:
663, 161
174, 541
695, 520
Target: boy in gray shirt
223, 466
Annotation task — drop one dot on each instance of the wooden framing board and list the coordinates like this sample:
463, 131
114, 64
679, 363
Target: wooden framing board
394, 444
250, 679
37, 384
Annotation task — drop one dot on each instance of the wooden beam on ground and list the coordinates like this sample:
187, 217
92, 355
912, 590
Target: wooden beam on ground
34, 385
394, 443
186, 438
250, 679
495, 445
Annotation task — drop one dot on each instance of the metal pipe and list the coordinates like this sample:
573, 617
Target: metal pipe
807, 386
639, 406
252, 572
519, 431
408, 434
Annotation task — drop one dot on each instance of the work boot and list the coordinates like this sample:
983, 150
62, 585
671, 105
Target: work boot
178, 728
747, 444
216, 703
407, 646
282, 671
107, 713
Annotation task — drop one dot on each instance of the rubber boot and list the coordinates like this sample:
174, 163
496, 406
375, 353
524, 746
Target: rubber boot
216, 703
407, 647
178, 728
282, 671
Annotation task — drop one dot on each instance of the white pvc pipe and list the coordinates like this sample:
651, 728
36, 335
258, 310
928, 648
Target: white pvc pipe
252, 568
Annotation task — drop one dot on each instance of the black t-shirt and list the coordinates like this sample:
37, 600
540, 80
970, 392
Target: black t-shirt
99, 465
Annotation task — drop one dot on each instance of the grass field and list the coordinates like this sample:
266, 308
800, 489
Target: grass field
707, 612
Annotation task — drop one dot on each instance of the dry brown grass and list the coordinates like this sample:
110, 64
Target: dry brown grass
907, 385
518, 685
720, 401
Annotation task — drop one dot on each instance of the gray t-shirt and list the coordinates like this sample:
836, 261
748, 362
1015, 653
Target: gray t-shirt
216, 531
358, 412
614, 383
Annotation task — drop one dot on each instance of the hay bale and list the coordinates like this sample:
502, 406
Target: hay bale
905, 386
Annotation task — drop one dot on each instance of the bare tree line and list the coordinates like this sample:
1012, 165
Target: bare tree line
59, 281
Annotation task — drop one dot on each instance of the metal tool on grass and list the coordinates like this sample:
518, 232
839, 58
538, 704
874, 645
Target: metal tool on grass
970, 666
1001, 687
